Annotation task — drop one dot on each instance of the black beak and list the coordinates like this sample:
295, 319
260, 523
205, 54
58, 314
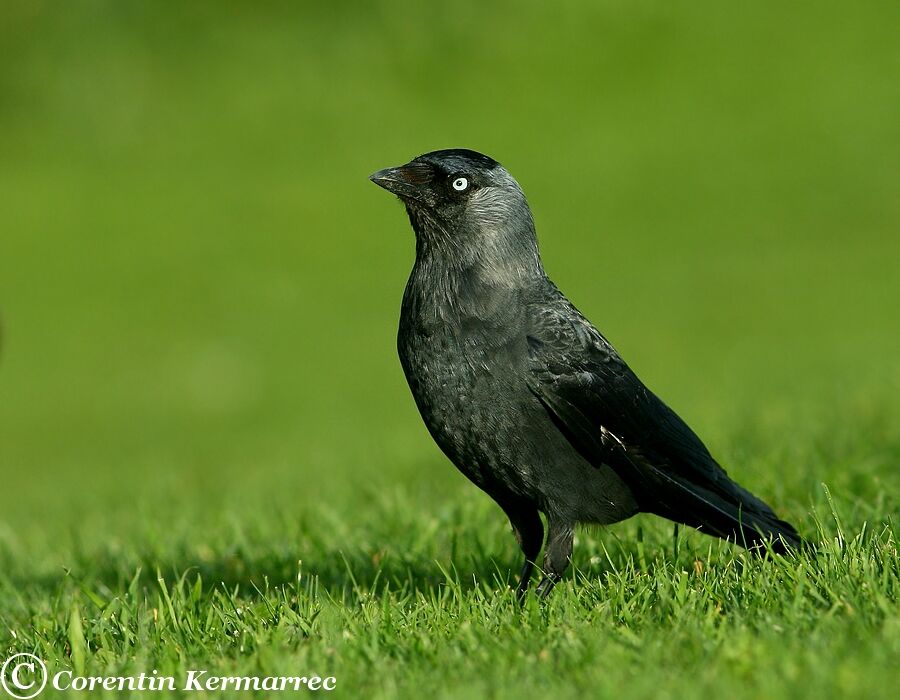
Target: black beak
406, 181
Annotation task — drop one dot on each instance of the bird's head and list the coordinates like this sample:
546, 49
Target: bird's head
465, 209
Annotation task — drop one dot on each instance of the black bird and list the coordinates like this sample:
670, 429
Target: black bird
524, 395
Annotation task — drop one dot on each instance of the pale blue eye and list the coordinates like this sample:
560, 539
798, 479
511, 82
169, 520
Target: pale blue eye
460, 183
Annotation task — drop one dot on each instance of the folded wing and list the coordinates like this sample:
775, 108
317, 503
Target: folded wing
610, 417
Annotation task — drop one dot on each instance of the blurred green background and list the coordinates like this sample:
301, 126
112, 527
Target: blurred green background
199, 287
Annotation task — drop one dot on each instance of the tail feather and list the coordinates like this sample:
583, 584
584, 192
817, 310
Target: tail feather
732, 513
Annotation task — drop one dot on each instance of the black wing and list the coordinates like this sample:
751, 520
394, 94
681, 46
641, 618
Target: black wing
610, 417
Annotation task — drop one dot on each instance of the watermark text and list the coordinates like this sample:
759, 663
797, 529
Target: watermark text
24, 676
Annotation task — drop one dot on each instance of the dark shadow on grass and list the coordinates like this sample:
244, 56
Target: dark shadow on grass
341, 573
336, 573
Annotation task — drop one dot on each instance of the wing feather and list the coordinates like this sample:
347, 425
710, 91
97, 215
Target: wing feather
608, 414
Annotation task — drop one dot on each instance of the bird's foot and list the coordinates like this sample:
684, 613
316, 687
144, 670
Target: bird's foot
546, 585
524, 581
521, 592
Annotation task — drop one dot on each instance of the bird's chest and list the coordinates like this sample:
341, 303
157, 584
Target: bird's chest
461, 373
450, 375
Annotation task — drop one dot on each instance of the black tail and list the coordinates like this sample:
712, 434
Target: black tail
732, 513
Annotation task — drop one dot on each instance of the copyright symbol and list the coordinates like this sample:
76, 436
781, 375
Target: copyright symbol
23, 676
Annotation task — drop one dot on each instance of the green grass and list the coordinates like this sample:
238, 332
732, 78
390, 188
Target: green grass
208, 455
400, 600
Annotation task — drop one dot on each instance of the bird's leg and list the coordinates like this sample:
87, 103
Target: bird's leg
529, 532
557, 554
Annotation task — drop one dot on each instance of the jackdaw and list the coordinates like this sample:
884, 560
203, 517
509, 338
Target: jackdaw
525, 396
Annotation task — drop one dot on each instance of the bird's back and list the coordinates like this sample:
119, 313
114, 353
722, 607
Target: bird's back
613, 418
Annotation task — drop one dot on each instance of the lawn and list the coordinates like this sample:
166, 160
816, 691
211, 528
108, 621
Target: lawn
209, 459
